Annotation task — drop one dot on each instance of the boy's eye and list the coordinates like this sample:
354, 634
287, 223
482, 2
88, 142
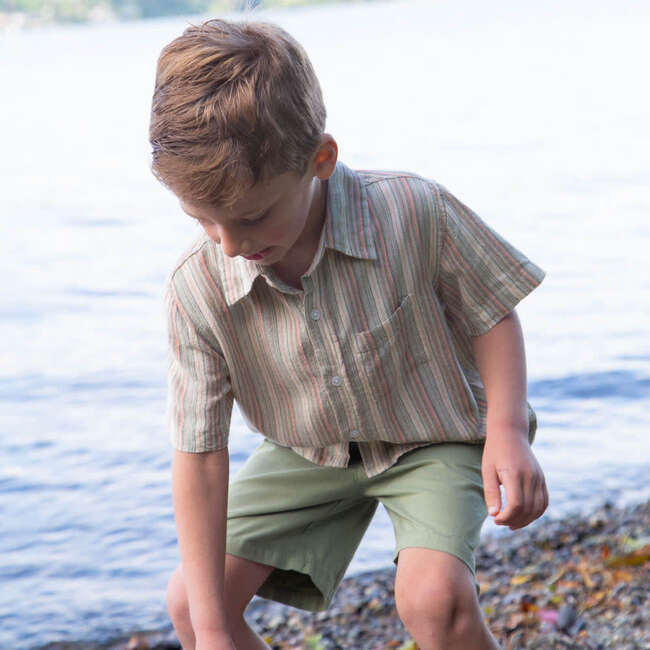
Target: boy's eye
250, 222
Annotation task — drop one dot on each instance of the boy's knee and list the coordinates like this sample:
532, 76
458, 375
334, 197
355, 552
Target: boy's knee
437, 605
176, 599
241, 580
436, 601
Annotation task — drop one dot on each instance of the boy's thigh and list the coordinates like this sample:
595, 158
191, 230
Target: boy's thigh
434, 497
242, 580
304, 520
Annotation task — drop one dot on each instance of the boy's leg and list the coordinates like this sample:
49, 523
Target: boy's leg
242, 579
434, 497
436, 599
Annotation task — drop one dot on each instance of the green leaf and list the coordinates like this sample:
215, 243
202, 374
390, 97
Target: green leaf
314, 642
631, 544
409, 645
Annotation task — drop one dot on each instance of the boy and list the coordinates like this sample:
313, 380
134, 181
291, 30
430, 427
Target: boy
365, 323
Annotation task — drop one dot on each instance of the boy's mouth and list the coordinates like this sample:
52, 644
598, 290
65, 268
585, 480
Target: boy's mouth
258, 256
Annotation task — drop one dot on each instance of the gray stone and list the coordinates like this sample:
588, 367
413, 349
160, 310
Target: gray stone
566, 617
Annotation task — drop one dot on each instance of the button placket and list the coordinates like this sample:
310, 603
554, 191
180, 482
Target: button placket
315, 327
319, 330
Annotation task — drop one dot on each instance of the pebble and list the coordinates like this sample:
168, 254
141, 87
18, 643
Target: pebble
566, 616
577, 627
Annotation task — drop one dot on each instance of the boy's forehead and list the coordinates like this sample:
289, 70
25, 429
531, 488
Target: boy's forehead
255, 199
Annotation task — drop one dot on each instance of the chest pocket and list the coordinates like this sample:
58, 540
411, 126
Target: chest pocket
394, 347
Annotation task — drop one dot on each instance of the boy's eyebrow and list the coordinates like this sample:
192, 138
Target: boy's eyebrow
244, 216
255, 213
248, 216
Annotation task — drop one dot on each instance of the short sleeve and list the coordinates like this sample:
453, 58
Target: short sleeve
481, 277
199, 398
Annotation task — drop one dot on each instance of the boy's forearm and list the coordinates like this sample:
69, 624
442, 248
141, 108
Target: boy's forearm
501, 362
200, 491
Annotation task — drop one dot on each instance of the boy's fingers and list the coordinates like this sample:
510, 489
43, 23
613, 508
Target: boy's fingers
530, 502
514, 501
536, 500
541, 502
491, 491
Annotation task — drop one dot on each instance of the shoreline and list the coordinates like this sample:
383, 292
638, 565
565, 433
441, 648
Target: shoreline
106, 12
576, 582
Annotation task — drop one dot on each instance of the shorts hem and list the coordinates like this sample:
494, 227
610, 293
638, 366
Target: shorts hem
320, 598
448, 545
439, 543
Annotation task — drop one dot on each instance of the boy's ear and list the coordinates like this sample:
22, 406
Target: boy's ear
325, 158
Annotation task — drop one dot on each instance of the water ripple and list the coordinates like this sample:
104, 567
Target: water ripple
33, 387
99, 293
613, 384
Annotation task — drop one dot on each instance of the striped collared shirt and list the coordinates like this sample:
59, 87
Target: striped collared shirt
375, 348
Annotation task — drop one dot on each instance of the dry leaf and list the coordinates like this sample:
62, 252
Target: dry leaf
527, 606
622, 575
584, 572
636, 558
557, 576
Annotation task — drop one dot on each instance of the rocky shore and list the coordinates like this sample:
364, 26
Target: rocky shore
579, 582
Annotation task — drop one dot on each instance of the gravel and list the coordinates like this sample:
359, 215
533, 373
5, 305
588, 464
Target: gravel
578, 582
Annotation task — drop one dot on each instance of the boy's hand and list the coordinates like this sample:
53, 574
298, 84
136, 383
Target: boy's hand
509, 461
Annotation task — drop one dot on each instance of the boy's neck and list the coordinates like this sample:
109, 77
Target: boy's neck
302, 255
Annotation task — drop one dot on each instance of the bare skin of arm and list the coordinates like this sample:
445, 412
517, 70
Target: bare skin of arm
508, 459
200, 491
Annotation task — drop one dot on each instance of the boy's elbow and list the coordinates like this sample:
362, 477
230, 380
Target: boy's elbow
201, 462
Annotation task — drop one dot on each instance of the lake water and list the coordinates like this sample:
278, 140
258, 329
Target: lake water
536, 115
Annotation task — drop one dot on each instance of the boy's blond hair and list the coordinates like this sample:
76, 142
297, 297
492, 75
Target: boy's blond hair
233, 104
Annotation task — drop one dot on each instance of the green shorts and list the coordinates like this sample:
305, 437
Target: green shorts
307, 520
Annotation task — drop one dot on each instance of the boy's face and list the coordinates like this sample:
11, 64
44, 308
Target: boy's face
277, 220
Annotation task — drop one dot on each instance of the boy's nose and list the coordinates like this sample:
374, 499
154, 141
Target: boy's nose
233, 246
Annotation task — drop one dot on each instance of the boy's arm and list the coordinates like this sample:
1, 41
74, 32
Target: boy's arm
507, 456
200, 491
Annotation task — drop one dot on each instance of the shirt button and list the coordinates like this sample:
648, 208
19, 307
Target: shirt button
354, 434
315, 314
336, 380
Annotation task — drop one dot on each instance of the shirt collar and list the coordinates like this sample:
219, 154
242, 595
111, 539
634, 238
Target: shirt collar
347, 229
